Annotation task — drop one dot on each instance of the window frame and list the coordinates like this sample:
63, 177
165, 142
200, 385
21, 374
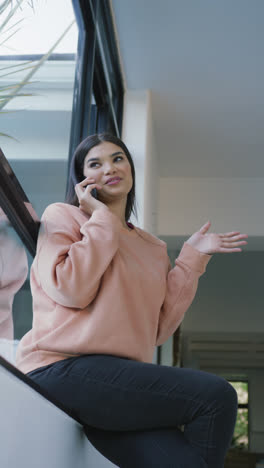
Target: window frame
98, 75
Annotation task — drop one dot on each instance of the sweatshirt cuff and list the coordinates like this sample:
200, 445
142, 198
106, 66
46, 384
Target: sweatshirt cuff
193, 258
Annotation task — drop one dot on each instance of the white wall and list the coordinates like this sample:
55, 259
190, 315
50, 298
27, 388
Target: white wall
134, 136
139, 136
185, 204
151, 186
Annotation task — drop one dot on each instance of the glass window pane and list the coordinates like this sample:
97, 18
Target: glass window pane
240, 437
242, 391
36, 26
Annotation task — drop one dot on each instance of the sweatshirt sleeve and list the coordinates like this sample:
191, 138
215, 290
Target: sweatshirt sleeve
182, 283
71, 260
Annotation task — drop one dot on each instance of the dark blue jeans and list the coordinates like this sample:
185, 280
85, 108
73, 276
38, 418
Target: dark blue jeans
133, 412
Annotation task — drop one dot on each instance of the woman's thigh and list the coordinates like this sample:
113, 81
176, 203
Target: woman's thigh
112, 393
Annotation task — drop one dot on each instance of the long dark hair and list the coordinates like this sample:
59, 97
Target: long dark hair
76, 169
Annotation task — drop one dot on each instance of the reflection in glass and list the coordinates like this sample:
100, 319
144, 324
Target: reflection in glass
14, 237
13, 273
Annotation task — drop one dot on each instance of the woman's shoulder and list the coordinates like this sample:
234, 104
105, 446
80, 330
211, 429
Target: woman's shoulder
150, 237
58, 209
62, 217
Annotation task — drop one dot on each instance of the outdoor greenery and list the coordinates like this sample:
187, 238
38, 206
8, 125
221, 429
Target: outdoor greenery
240, 437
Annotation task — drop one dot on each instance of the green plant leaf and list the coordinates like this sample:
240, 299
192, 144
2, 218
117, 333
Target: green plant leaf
16, 71
4, 96
8, 136
8, 37
11, 110
4, 5
13, 25
11, 13
4, 88
36, 67
17, 65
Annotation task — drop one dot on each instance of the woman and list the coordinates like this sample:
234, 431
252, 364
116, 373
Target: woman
104, 295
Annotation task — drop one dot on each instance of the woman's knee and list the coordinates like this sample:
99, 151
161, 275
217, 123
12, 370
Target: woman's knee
224, 394
230, 402
232, 394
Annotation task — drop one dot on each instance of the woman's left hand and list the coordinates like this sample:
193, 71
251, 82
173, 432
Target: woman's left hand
216, 243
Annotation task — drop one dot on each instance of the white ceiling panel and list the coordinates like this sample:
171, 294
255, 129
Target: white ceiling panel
203, 61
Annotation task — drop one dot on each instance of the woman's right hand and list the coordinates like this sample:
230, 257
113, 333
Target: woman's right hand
87, 202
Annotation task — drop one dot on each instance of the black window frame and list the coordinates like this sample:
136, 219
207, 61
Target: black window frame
98, 75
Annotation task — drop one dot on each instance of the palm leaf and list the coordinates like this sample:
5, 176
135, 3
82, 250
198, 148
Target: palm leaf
35, 68
4, 5
8, 136
11, 13
17, 65
9, 37
13, 25
4, 88
10, 111
3, 96
16, 71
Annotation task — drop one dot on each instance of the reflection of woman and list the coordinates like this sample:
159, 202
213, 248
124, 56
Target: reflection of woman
13, 273
104, 294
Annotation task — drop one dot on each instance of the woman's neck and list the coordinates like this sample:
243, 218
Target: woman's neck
120, 211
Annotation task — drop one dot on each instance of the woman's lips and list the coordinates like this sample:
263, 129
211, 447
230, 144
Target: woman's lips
112, 182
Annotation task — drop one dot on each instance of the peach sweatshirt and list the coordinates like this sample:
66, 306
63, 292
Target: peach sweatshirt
99, 288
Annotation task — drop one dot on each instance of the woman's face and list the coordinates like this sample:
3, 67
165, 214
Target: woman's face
106, 161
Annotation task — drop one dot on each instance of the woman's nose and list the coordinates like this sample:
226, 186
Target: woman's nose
109, 168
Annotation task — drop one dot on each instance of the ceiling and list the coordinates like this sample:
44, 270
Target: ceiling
203, 61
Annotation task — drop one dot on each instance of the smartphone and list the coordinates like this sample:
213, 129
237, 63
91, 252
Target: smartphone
94, 193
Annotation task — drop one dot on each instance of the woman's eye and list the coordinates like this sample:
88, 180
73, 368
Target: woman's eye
92, 164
